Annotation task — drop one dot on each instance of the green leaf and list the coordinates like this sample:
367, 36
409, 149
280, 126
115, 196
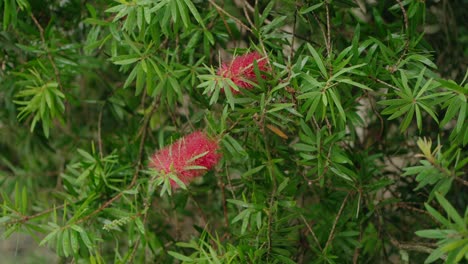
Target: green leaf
125, 59
435, 255
283, 185
237, 202
445, 222
337, 102
245, 221
140, 226
318, 60
49, 237
454, 245
310, 8
451, 212
435, 233
345, 70
66, 243
75, 246
179, 256
253, 171
353, 83
194, 12
243, 214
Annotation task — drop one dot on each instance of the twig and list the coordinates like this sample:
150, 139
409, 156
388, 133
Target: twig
273, 179
412, 208
328, 40
200, 210
26, 218
462, 181
321, 29
223, 192
357, 250
332, 232
137, 166
49, 55
372, 104
137, 242
267, 21
220, 9
383, 82
312, 232
99, 131
246, 13
405, 19
293, 33
413, 247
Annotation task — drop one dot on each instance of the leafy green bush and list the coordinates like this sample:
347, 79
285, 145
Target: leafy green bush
313, 124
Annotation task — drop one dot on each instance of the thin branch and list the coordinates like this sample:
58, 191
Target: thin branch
99, 131
200, 210
412, 208
312, 232
332, 232
383, 82
137, 166
374, 109
321, 29
246, 13
357, 250
293, 33
462, 181
413, 247
405, 19
137, 242
328, 40
49, 55
225, 212
26, 218
220, 9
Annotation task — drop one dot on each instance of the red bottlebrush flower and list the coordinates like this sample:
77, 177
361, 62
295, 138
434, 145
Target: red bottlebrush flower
241, 69
185, 156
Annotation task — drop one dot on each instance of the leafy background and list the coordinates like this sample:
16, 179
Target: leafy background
351, 150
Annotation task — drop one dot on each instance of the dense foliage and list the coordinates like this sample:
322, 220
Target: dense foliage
331, 131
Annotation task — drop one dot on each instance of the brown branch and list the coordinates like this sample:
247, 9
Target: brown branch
412, 208
246, 13
383, 82
405, 19
26, 218
293, 33
99, 131
413, 247
49, 55
312, 232
221, 10
137, 242
137, 166
267, 21
225, 212
200, 210
321, 29
462, 181
328, 40
374, 109
332, 232
357, 250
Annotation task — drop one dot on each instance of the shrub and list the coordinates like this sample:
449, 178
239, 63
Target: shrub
297, 131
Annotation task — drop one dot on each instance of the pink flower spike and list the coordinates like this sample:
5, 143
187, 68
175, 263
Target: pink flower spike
188, 158
241, 69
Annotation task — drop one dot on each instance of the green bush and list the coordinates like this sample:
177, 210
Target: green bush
168, 131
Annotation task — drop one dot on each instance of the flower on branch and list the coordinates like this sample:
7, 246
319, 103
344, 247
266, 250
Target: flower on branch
241, 70
187, 158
